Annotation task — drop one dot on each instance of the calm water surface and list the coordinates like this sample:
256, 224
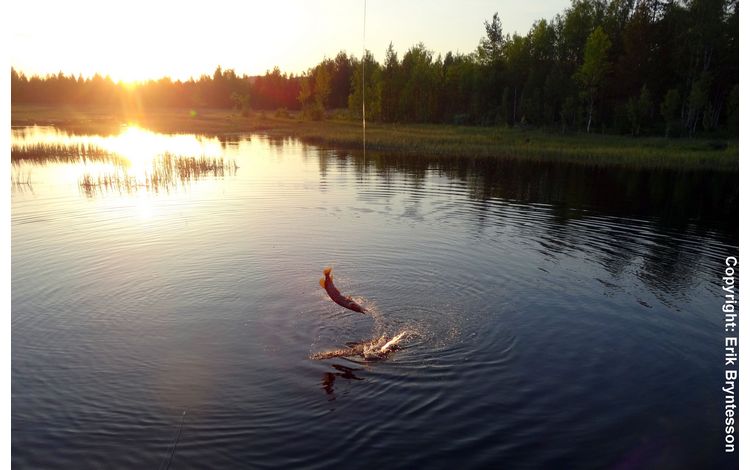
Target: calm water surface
562, 317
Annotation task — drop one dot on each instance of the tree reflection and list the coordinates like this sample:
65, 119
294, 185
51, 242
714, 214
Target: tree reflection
626, 220
674, 200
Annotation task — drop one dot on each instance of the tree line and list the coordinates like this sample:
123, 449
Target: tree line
620, 66
223, 89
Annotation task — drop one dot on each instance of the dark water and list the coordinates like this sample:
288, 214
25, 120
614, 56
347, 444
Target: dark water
562, 317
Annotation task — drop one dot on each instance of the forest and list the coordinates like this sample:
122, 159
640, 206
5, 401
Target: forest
650, 67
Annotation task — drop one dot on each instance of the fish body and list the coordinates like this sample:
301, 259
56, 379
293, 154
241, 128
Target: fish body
345, 301
375, 349
392, 343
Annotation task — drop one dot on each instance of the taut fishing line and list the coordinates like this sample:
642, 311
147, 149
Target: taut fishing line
364, 25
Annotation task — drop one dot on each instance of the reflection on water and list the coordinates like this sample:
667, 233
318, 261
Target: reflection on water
138, 158
562, 317
166, 172
329, 378
135, 159
133, 143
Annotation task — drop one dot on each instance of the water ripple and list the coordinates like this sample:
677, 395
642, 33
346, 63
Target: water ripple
552, 320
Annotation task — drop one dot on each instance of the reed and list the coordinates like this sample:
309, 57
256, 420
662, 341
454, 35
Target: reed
20, 176
167, 171
60, 152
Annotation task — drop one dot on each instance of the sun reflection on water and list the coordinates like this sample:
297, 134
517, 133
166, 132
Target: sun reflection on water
141, 146
132, 160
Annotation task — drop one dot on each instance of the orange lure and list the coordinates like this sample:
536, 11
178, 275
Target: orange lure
346, 302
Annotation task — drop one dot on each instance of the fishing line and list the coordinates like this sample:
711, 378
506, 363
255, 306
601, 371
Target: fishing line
174, 446
364, 26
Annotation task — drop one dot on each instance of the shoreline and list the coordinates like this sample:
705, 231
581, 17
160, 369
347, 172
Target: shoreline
435, 140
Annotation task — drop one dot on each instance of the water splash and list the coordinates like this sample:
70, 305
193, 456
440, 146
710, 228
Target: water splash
371, 350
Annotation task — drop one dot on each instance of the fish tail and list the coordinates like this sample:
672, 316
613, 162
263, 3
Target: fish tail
322, 283
327, 271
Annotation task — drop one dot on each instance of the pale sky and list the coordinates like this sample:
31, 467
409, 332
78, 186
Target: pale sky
138, 39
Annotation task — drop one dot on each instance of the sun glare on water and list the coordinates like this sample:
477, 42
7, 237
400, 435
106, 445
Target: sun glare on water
141, 147
134, 159
136, 145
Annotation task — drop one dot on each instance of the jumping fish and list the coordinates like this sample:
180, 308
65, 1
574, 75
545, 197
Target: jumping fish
346, 302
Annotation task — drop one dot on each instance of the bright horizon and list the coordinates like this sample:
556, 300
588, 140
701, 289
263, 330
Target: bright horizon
135, 42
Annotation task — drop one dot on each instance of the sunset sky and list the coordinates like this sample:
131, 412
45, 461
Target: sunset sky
150, 39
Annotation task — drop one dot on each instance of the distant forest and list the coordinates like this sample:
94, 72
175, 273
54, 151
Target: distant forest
622, 66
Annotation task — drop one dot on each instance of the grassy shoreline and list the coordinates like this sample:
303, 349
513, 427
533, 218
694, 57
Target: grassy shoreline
405, 139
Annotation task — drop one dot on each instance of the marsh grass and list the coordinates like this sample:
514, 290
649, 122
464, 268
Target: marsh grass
187, 168
430, 140
534, 145
60, 152
20, 178
167, 171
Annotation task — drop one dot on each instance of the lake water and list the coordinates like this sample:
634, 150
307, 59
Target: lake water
559, 316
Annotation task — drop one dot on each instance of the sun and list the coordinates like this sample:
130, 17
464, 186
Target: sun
129, 85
